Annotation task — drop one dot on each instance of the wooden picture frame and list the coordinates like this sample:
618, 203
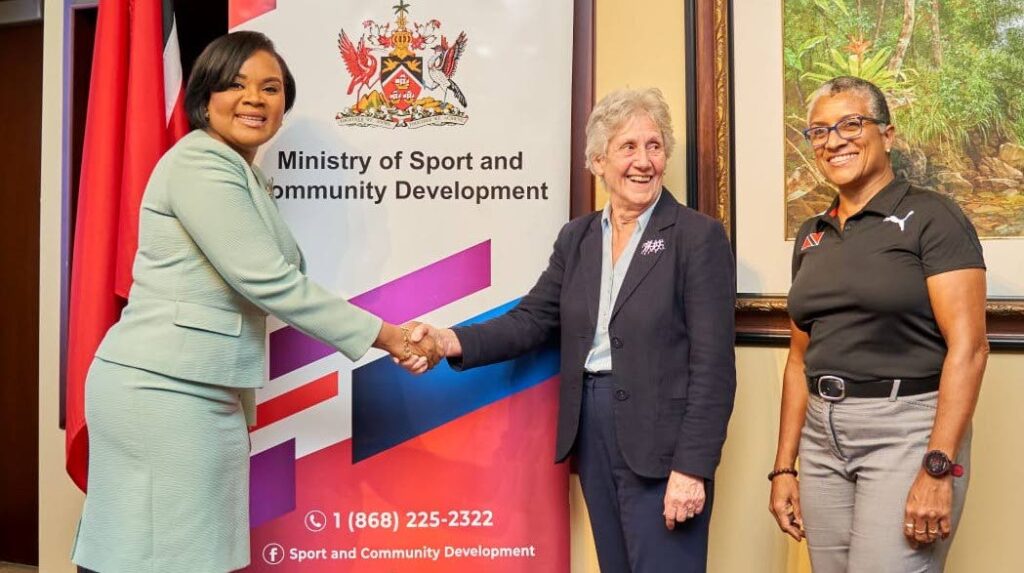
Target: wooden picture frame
581, 184
760, 318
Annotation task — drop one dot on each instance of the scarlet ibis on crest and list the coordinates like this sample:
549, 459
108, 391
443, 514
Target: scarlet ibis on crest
361, 64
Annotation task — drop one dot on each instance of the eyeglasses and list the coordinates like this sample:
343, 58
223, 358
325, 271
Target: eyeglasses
849, 128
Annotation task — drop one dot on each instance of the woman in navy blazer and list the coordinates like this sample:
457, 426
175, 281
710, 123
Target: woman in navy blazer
642, 296
171, 387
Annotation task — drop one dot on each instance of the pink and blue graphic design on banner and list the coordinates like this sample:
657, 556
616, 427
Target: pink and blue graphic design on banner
444, 472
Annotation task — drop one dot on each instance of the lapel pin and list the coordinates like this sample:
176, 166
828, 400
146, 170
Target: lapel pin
653, 246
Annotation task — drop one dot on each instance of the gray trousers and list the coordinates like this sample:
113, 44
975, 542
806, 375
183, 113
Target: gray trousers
858, 459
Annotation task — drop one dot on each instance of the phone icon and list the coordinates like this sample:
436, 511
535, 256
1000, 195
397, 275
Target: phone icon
316, 521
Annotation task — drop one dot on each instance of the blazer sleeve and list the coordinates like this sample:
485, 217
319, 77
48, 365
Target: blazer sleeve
710, 307
531, 323
208, 193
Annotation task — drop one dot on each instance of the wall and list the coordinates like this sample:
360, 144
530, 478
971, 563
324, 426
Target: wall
60, 502
640, 44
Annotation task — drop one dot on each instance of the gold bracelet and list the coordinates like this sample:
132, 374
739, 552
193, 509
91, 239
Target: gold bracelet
405, 343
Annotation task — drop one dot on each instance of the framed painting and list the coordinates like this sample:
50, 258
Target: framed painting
950, 71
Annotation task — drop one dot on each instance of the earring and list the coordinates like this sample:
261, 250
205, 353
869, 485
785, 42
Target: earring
206, 116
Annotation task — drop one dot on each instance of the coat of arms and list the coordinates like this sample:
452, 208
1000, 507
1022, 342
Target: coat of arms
403, 77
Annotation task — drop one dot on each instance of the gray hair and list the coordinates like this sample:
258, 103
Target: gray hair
877, 105
616, 109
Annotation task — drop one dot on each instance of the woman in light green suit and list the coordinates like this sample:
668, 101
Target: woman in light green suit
170, 391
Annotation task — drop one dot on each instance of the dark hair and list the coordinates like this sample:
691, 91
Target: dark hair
218, 66
876, 99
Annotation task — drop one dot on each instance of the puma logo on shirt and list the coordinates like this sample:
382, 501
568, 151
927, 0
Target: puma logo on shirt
897, 220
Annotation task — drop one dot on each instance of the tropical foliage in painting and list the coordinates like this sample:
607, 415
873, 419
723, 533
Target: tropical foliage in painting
953, 73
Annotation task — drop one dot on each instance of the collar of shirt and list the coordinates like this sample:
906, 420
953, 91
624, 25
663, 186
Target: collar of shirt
641, 221
600, 356
884, 203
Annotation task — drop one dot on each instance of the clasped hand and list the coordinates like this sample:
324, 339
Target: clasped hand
417, 356
428, 345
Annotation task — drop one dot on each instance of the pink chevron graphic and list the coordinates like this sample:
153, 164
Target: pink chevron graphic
403, 299
272, 472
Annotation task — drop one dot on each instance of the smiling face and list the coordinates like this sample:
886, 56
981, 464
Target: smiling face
858, 163
633, 165
249, 112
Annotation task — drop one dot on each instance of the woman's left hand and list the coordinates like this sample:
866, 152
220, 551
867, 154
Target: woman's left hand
928, 514
684, 498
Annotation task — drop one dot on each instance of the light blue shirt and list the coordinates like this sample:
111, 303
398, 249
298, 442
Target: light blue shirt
600, 356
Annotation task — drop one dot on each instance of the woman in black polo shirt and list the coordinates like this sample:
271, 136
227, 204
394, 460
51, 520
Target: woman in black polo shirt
886, 358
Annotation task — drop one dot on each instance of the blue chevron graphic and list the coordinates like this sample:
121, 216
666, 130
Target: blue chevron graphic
390, 406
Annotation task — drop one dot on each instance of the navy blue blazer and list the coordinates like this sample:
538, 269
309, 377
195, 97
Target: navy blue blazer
672, 335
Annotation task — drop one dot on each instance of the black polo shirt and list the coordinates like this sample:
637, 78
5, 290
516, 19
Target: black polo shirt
861, 294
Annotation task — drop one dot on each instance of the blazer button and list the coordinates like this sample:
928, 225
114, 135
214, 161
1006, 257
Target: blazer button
616, 342
621, 395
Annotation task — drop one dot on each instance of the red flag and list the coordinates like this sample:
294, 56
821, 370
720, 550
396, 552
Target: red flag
241, 11
130, 123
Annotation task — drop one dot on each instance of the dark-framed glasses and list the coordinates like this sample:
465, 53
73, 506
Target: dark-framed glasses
847, 128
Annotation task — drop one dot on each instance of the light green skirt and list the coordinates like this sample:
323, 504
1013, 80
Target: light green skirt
168, 487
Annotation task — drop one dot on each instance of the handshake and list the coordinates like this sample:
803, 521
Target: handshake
417, 346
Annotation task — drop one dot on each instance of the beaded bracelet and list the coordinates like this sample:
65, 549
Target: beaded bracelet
776, 473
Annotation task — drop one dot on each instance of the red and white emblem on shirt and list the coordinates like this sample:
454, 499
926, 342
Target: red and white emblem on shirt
812, 240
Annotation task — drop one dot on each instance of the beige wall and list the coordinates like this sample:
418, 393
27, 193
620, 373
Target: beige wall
59, 501
744, 537
640, 44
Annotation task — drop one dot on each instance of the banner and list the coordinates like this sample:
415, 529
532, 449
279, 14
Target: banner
424, 173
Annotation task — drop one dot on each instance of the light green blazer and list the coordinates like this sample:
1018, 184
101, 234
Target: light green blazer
214, 259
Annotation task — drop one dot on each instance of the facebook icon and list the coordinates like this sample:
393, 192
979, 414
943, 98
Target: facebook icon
273, 553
